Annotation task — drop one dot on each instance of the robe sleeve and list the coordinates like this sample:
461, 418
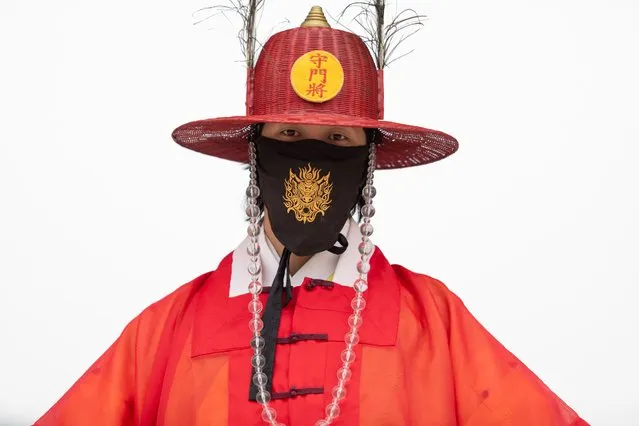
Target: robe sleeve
492, 386
104, 395
113, 391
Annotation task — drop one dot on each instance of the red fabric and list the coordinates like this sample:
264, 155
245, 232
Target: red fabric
423, 360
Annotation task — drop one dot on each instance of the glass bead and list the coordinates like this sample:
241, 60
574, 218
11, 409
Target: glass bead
339, 393
363, 267
253, 191
355, 321
358, 303
348, 356
254, 268
256, 325
257, 342
260, 379
253, 211
332, 410
258, 361
366, 229
253, 249
368, 210
255, 287
269, 414
344, 374
255, 306
351, 338
361, 285
365, 247
263, 397
253, 230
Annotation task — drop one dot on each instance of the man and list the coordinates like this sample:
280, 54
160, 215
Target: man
340, 336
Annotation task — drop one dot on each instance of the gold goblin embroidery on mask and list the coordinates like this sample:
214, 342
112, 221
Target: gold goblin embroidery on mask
307, 193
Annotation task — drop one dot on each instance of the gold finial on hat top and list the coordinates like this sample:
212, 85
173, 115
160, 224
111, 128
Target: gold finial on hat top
315, 18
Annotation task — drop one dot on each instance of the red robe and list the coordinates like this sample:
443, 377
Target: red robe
423, 359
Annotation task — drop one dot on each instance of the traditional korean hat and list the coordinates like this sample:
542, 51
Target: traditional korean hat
318, 75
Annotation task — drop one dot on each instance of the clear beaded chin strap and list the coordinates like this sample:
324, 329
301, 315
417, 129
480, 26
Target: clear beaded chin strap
269, 414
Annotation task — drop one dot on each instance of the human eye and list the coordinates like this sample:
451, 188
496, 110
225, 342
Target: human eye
289, 133
338, 137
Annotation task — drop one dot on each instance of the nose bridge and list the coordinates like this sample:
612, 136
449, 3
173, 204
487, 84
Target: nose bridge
316, 132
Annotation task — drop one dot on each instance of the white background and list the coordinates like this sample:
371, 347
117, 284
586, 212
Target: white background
533, 222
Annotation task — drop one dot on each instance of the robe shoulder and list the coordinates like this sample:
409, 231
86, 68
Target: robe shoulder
492, 386
111, 390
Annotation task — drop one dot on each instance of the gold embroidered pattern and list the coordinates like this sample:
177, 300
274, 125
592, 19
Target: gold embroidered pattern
307, 194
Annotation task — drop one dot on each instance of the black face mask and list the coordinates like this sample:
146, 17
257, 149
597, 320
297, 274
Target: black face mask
309, 188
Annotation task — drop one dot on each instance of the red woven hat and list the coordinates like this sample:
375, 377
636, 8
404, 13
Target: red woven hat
316, 75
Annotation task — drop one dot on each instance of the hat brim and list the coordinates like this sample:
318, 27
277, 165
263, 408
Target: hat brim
401, 145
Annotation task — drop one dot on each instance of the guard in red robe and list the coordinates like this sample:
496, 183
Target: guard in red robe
337, 335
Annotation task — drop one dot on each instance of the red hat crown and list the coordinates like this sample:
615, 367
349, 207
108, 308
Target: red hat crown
270, 91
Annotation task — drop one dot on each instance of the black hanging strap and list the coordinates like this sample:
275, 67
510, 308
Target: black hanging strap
277, 299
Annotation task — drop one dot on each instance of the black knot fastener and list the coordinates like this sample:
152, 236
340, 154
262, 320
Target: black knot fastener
314, 282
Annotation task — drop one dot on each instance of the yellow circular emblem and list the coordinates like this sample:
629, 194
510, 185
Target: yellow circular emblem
317, 76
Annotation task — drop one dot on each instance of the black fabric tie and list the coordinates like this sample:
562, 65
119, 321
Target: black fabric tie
341, 239
279, 296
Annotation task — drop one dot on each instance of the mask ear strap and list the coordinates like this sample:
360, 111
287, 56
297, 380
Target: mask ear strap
343, 243
255, 131
372, 135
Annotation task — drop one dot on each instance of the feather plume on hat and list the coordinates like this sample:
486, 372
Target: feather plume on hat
248, 11
382, 38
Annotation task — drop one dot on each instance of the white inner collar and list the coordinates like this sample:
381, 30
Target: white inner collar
342, 269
